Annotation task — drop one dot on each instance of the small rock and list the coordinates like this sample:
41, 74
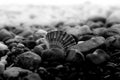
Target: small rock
93, 43
32, 76
98, 56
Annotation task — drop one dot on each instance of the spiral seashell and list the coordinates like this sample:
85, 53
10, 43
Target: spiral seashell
60, 39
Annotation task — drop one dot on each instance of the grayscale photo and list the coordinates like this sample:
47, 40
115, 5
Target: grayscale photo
59, 39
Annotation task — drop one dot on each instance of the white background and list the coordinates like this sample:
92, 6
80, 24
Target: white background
58, 2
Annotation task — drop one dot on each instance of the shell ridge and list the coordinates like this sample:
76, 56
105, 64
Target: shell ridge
60, 39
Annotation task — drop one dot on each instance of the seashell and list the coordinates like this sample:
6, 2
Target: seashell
98, 56
54, 54
28, 60
60, 39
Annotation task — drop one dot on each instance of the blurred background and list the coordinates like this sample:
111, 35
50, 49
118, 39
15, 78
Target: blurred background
50, 12
58, 2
